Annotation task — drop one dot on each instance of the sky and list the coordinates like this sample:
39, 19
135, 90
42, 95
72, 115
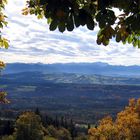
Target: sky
32, 42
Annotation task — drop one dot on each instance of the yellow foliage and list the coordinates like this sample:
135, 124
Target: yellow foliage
31, 11
3, 2
1, 17
125, 127
2, 65
3, 98
25, 11
3, 41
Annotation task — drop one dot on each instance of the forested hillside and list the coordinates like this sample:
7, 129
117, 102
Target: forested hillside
78, 68
39, 77
69, 94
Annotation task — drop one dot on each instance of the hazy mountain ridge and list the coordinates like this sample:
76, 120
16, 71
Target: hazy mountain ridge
78, 68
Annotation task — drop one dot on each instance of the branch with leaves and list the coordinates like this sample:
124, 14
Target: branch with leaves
3, 41
70, 14
3, 44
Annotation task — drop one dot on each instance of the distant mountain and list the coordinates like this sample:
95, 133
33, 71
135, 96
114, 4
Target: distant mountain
39, 78
77, 68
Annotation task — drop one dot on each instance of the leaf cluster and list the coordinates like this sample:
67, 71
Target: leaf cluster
70, 14
3, 41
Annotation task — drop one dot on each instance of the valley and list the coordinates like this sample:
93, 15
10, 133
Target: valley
85, 98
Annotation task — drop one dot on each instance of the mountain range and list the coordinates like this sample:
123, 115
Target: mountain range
97, 68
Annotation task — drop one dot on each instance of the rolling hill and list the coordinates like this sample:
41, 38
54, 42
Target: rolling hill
42, 78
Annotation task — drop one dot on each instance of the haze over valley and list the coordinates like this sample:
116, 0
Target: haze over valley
85, 91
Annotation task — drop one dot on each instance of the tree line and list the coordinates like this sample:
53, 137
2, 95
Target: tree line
32, 126
35, 126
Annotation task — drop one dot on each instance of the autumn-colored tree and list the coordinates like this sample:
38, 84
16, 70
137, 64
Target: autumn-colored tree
64, 134
29, 127
125, 127
59, 133
3, 94
3, 43
52, 131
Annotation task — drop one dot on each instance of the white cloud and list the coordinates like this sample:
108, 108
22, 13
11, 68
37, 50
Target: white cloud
31, 41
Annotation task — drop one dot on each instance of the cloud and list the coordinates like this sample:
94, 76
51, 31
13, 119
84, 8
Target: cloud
31, 41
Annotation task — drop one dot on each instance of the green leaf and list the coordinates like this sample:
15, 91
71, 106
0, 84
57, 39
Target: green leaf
118, 37
90, 23
53, 25
70, 24
49, 20
1, 25
98, 16
76, 21
105, 42
129, 39
138, 43
61, 27
99, 41
135, 43
6, 44
83, 17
